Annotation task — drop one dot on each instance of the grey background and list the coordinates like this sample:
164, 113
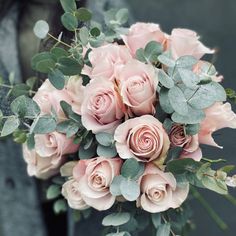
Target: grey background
215, 21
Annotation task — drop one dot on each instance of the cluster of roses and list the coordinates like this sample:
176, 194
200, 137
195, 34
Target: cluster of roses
121, 99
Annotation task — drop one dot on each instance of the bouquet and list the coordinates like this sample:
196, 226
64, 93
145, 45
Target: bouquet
119, 122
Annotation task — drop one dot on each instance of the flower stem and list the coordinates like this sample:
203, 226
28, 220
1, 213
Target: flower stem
59, 41
222, 225
230, 198
213, 161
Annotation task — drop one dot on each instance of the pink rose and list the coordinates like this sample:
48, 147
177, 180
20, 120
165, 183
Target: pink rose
102, 107
75, 89
184, 42
95, 177
71, 191
48, 97
204, 66
142, 33
142, 138
41, 167
159, 190
218, 116
105, 59
190, 144
54, 145
138, 83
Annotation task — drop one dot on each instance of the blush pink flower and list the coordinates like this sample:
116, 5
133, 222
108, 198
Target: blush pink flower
75, 89
54, 145
105, 59
142, 138
48, 97
142, 33
137, 83
41, 167
190, 144
218, 116
184, 42
102, 107
71, 191
159, 190
95, 177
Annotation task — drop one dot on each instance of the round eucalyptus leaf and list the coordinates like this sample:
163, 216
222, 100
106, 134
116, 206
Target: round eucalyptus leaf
41, 29
116, 219
130, 189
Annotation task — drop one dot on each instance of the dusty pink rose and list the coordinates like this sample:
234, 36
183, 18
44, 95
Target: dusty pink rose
54, 145
184, 42
204, 66
137, 83
48, 97
142, 138
95, 177
218, 116
101, 108
190, 144
159, 190
41, 167
105, 59
75, 89
71, 191
142, 33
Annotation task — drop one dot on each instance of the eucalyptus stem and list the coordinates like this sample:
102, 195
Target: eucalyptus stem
214, 161
230, 198
59, 41
221, 224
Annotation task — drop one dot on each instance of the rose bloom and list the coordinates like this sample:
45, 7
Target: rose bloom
142, 138
95, 177
70, 190
105, 59
142, 33
184, 42
202, 66
101, 109
75, 89
54, 145
159, 190
137, 83
41, 167
189, 143
48, 97
218, 116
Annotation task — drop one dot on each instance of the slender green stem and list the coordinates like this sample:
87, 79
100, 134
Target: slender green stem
230, 198
222, 225
59, 41
213, 161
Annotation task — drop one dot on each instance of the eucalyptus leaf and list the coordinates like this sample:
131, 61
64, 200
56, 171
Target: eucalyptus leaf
57, 79
84, 35
20, 89
68, 127
43, 125
69, 66
189, 78
115, 185
41, 29
152, 50
166, 60
68, 5
163, 230
59, 52
87, 153
165, 79
40, 57
69, 21
192, 129
156, 219
131, 168
186, 62
10, 125
67, 109
140, 55
53, 191
107, 152
60, 206
83, 14
104, 139
164, 101
45, 66
130, 189
178, 100
25, 106
122, 16
116, 219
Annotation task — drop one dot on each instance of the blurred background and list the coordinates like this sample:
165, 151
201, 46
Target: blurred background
22, 210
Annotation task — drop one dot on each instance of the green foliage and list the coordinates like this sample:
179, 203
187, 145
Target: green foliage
115, 185
10, 125
43, 125
69, 21
132, 169
105, 139
68, 127
192, 129
25, 107
68, 5
67, 109
41, 29
116, 219
164, 101
163, 230
130, 189
59, 206
83, 14
19, 89
53, 191
84, 35
165, 79
57, 53
166, 60
19, 136
69, 66
106, 151
57, 79
156, 219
